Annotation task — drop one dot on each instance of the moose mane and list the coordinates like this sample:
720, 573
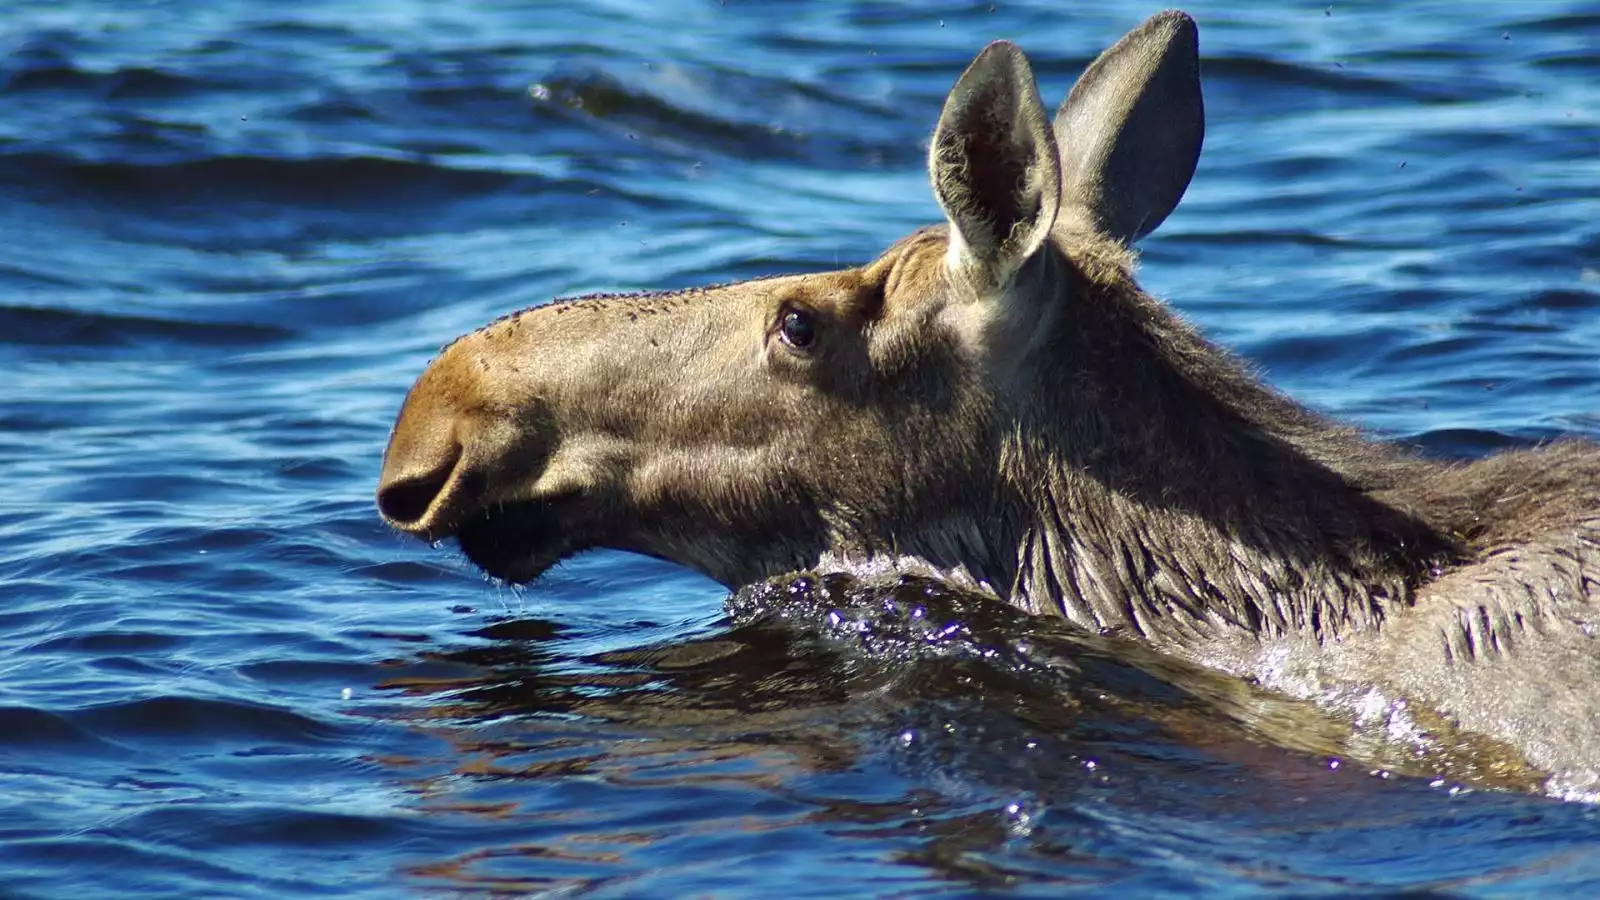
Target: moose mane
1169, 487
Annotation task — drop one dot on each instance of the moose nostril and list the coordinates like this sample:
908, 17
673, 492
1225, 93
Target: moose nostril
405, 500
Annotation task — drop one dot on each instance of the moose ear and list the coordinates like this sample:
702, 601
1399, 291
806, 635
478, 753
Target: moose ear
994, 166
1131, 130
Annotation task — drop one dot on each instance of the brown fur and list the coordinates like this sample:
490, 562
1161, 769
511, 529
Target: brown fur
997, 400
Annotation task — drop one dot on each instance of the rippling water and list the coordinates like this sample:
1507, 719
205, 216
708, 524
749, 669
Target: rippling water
235, 231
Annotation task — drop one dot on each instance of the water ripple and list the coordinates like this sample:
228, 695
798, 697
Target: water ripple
235, 232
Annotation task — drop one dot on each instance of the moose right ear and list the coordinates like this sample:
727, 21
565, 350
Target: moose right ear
1130, 131
995, 168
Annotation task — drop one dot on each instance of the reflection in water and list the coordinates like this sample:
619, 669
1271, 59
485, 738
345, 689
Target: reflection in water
938, 728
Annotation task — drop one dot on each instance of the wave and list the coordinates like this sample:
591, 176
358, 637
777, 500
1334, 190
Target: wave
27, 731
735, 114
324, 181
201, 719
1259, 74
132, 83
76, 328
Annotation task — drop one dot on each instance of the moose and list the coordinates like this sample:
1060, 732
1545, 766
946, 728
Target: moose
996, 399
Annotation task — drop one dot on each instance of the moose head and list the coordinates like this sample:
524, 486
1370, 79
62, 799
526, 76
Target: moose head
993, 397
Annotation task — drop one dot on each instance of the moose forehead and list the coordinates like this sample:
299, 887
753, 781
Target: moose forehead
907, 273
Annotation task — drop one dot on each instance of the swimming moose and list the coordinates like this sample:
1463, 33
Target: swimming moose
996, 398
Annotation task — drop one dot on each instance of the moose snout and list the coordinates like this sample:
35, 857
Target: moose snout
413, 480
451, 436
422, 467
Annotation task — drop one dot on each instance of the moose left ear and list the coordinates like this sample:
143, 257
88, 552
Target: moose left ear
994, 166
1131, 130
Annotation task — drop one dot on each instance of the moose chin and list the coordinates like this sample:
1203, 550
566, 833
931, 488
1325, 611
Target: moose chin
997, 396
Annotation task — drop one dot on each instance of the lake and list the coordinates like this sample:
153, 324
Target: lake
232, 233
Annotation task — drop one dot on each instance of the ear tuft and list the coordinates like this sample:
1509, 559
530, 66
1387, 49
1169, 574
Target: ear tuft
1131, 130
994, 165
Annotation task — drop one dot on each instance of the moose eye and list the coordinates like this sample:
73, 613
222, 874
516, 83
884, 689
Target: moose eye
799, 329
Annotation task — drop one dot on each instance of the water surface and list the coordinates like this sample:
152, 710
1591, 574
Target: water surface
234, 232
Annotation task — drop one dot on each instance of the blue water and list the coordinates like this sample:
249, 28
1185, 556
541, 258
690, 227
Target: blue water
232, 233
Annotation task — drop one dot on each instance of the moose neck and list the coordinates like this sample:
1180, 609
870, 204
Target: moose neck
1168, 492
